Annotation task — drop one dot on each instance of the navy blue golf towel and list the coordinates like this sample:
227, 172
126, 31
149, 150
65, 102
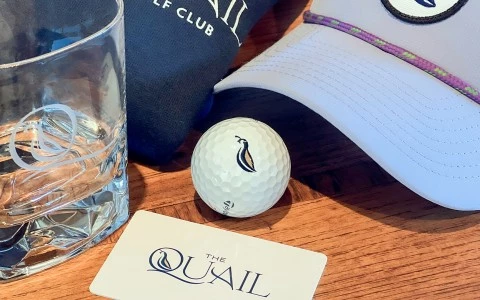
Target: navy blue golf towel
176, 51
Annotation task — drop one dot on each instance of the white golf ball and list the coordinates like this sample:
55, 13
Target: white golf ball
240, 167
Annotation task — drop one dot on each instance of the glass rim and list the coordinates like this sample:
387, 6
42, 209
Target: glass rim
118, 17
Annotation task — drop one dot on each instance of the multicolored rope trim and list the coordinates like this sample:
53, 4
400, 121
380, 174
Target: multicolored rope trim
431, 68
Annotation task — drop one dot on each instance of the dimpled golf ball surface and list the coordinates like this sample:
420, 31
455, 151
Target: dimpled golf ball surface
240, 167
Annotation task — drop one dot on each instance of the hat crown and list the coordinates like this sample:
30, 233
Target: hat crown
445, 42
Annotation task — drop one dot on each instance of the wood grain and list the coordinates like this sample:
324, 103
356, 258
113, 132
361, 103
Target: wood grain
382, 240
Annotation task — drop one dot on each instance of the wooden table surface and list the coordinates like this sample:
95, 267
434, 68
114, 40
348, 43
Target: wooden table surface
382, 240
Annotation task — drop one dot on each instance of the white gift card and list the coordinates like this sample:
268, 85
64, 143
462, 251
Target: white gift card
159, 257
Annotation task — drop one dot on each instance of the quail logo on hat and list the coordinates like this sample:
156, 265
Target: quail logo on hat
423, 11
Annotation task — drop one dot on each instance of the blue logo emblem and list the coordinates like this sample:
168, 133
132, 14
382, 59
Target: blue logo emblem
423, 11
427, 3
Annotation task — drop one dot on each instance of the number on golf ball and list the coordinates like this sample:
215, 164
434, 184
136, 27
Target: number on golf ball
240, 167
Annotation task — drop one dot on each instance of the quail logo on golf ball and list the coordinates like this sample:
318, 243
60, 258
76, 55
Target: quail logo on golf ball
244, 158
240, 167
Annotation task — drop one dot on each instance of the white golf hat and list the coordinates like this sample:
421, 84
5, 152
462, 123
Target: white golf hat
400, 78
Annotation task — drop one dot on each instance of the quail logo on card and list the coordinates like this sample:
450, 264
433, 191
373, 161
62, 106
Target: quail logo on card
209, 269
194, 261
229, 11
423, 11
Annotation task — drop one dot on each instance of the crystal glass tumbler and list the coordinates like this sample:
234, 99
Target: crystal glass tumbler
63, 181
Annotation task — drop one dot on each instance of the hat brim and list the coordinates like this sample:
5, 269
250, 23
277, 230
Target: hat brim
420, 130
